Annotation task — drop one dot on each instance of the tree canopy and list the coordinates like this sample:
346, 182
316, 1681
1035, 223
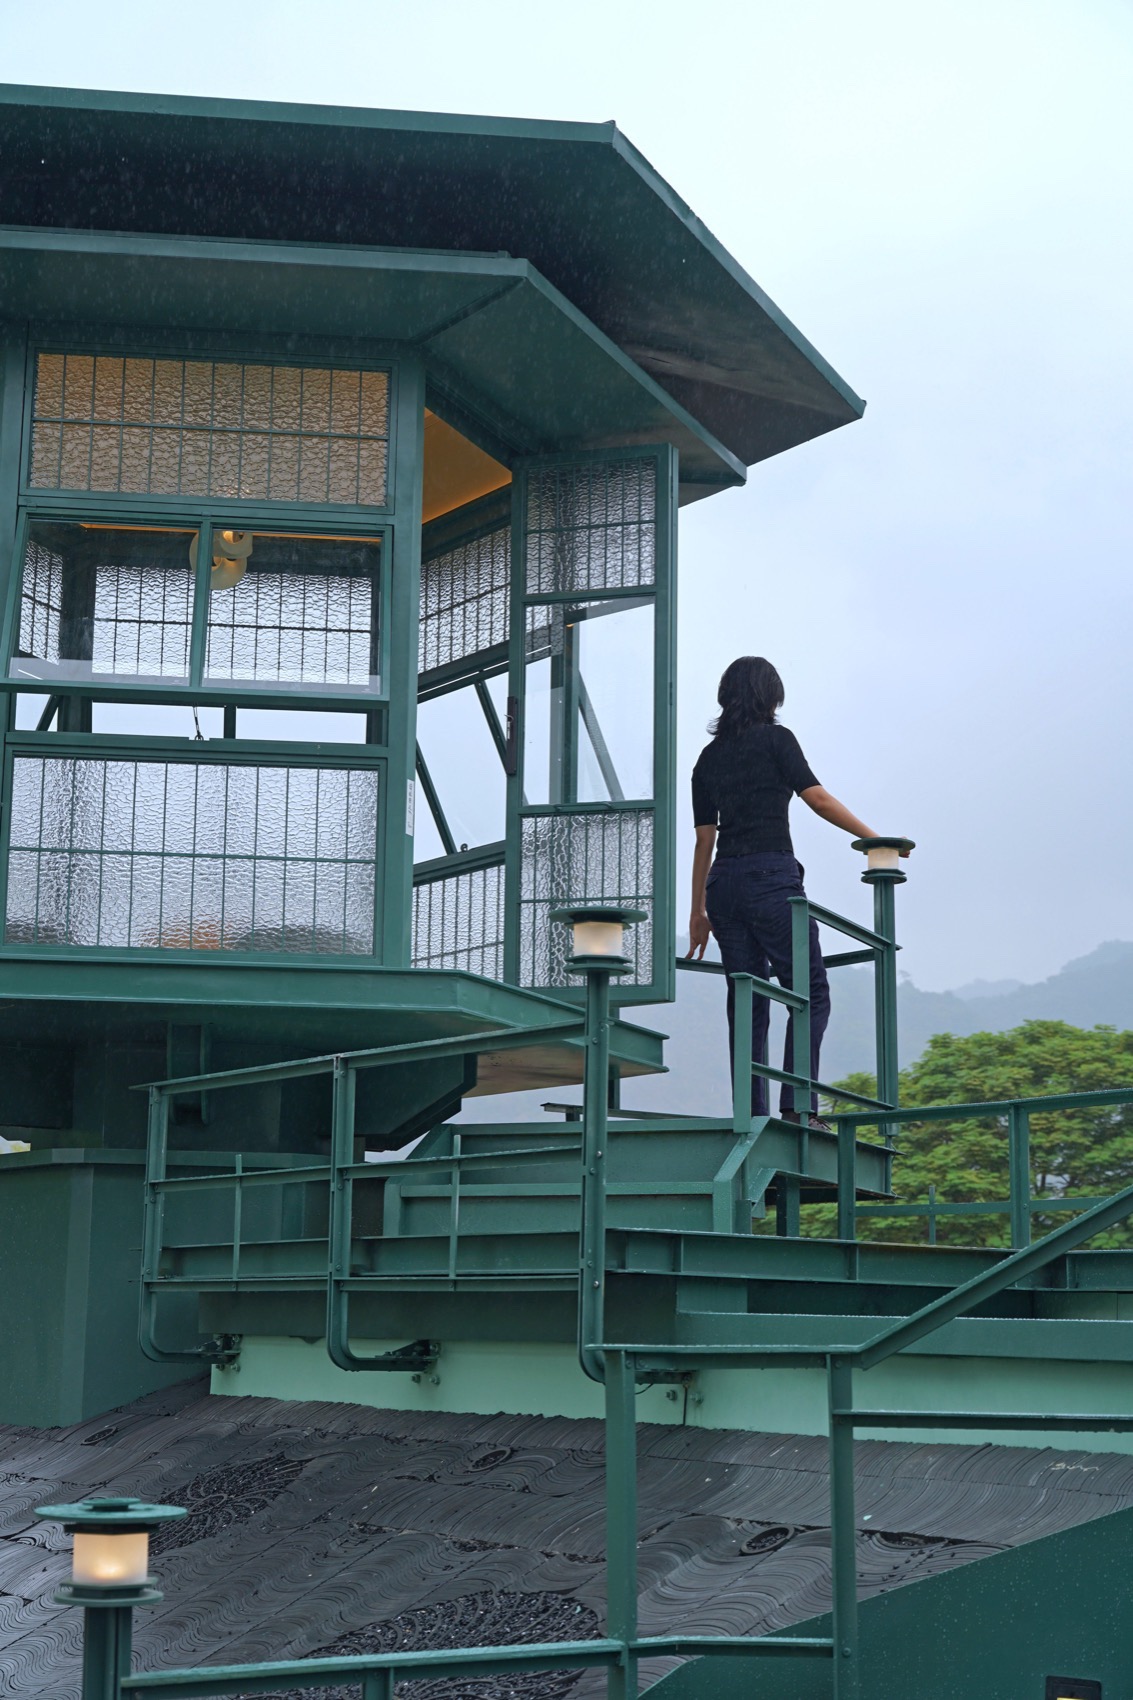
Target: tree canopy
1074, 1153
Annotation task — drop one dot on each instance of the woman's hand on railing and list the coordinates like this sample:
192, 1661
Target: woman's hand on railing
699, 933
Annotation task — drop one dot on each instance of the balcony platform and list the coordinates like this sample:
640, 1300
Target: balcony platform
263, 1010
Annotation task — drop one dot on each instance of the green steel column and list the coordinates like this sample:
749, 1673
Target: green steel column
843, 1547
592, 1237
107, 1645
1019, 1142
621, 1520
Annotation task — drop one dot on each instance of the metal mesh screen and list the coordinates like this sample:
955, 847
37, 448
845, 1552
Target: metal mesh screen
464, 600
591, 526
192, 856
210, 428
576, 859
458, 922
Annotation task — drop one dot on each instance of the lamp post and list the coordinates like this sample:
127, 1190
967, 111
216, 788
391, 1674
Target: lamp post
597, 939
883, 872
109, 1577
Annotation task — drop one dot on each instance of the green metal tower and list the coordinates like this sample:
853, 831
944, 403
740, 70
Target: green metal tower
324, 433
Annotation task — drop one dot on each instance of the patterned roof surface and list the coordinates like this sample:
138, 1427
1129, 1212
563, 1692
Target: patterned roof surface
337, 1528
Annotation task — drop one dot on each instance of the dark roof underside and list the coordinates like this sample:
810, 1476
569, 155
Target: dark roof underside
336, 1528
576, 200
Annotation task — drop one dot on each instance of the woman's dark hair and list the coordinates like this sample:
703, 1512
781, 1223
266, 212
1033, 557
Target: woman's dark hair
749, 694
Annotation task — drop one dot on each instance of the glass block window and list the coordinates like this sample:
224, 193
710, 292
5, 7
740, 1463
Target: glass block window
591, 526
464, 600
105, 602
294, 611
192, 856
571, 859
458, 922
210, 428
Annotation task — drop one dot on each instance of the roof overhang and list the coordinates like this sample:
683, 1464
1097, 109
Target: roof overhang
509, 349
576, 200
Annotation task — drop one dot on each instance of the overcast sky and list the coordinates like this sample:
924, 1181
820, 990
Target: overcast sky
939, 197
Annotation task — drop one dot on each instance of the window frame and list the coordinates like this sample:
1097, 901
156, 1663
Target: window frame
215, 752
200, 513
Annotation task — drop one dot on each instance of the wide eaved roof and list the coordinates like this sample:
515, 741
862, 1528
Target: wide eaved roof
576, 200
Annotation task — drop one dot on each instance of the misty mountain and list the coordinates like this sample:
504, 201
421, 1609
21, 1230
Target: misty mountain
1087, 992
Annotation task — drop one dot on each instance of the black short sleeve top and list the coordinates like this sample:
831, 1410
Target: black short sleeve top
743, 785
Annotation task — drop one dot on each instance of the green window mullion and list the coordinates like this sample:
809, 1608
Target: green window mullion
198, 640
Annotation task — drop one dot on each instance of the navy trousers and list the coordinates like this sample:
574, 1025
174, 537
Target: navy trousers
747, 898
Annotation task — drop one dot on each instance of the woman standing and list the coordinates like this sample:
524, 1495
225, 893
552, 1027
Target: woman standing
742, 786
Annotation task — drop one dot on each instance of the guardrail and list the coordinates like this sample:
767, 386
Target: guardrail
1017, 1112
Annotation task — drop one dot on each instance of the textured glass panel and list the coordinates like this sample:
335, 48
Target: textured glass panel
566, 860
104, 602
108, 390
105, 463
303, 614
458, 922
78, 386
591, 526
464, 601
188, 856
210, 428
49, 385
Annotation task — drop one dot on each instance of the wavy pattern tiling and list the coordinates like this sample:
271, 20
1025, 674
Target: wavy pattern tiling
317, 1525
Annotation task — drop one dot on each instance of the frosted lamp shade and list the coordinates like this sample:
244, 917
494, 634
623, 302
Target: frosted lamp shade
105, 1558
883, 856
597, 938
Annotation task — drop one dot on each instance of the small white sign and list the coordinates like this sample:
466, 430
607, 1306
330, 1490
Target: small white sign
410, 803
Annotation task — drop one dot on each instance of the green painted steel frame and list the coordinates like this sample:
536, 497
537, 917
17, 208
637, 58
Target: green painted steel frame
662, 805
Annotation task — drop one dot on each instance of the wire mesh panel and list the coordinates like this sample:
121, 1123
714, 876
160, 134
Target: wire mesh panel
458, 922
304, 613
464, 600
571, 859
210, 428
105, 602
191, 855
591, 526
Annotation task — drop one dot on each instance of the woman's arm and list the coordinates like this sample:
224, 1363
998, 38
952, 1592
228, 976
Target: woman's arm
699, 931
818, 798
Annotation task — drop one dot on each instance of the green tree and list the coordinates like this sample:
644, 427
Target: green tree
1074, 1153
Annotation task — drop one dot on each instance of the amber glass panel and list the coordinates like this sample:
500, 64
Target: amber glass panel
210, 428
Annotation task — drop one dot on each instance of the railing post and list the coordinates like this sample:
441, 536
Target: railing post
800, 1018
883, 872
378, 1684
621, 1521
741, 1053
108, 1634
1019, 1146
595, 1124
847, 1180
340, 1211
843, 1534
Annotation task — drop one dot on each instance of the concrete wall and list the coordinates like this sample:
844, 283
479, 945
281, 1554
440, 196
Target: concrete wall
545, 1380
